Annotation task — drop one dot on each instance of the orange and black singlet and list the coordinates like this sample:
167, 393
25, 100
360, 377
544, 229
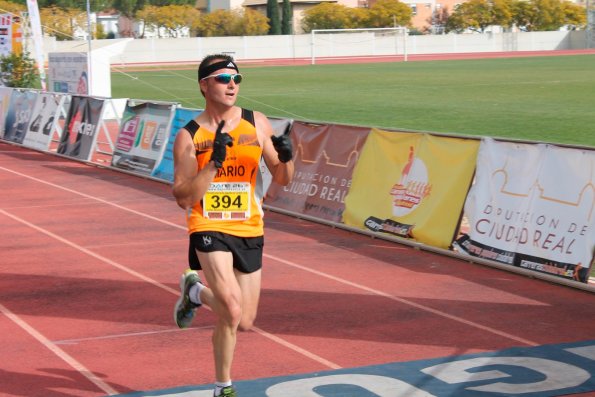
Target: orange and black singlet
233, 202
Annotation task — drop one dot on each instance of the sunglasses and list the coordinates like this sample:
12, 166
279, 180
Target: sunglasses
225, 78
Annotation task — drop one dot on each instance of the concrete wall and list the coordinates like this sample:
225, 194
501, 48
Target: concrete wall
192, 50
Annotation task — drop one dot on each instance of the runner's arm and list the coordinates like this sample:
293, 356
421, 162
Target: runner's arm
190, 184
282, 172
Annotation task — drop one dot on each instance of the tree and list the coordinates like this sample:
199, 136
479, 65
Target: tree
62, 22
231, 23
173, 18
10, 7
148, 15
575, 16
287, 22
502, 12
273, 16
126, 7
473, 14
253, 23
388, 13
536, 15
550, 15
524, 15
326, 16
437, 22
217, 23
19, 70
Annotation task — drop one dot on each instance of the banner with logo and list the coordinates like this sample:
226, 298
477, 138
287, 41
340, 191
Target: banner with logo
411, 185
18, 116
5, 94
80, 127
11, 34
324, 158
68, 72
165, 169
44, 118
143, 136
533, 206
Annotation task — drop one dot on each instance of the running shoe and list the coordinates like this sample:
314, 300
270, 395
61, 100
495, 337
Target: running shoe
185, 309
228, 391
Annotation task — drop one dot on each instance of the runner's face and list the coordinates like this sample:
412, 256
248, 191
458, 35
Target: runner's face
225, 94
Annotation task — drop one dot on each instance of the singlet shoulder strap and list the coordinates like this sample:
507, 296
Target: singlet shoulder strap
248, 115
192, 126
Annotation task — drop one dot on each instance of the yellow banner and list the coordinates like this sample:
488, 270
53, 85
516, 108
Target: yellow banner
411, 185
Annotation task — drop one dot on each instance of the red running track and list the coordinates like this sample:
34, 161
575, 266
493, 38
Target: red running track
90, 260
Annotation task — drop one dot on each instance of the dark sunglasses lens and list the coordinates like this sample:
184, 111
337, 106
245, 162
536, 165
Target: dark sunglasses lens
223, 78
237, 78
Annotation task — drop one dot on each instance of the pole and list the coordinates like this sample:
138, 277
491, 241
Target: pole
89, 38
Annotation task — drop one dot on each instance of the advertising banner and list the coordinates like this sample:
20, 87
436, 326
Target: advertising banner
18, 115
324, 158
68, 72
143, 136
165, 168
533, 206
411, 185
5, 34
11, 35
80, 128
5, 94
43, 121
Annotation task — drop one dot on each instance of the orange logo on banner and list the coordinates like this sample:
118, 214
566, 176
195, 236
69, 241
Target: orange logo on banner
412, 187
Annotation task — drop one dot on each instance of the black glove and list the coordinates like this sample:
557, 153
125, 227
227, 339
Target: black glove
219, 145
282, 144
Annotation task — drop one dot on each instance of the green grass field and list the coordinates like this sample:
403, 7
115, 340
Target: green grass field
550, 99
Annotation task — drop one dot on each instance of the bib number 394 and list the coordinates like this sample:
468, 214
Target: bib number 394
227, 201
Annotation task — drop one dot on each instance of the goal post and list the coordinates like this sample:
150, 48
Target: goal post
344, 43
590, 23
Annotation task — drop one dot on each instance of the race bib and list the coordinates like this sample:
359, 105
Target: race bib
227, 201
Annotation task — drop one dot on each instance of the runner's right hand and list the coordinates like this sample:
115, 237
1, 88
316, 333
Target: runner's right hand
222, 140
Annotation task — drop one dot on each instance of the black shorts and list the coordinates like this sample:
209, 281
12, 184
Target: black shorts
246, 251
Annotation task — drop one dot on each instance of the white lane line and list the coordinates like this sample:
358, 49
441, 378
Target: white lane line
374, 291
405, 301
94, 198
118, 336
58, 352
149, 280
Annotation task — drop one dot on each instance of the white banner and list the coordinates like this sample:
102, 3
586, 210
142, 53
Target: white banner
533, 206
35, 22
44, 118
68, 72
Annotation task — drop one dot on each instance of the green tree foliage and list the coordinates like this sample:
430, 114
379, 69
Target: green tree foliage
10, 7
326, 16
575, 16
273, 16
231, 23
127, 7
61, 22
172, 18
475, 15
253, 23
217, 23
384, 13
19, 70
388, 13
287, 21
538, 15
